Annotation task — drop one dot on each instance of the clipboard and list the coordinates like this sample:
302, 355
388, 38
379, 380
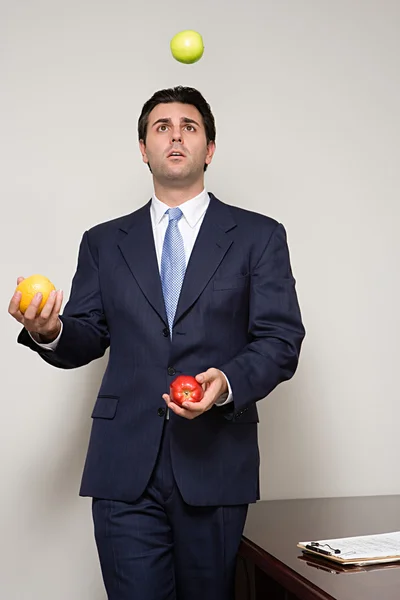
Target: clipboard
363, 550
335, 568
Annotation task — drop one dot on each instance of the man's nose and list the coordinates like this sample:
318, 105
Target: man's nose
176, 136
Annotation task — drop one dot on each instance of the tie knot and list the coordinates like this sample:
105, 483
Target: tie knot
174, 214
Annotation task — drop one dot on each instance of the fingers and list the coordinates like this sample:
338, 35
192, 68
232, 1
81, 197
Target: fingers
31, 311
48, 307
172, 406
58, 303
212, 382
178, 410
201, 378
13, 307
207, 376
51, 309
197, 408
189, 410
47, 320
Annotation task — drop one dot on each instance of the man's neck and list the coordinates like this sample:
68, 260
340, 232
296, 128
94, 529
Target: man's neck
176, 196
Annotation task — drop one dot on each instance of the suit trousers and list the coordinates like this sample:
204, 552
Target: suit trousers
160, 548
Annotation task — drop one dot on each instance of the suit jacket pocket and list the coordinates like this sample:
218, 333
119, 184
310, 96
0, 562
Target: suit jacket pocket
246, 415
231, 282
105, 407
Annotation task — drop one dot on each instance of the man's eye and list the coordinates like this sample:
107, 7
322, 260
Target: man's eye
190, 128
162, 128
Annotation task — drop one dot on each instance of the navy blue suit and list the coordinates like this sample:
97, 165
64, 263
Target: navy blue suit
237, 311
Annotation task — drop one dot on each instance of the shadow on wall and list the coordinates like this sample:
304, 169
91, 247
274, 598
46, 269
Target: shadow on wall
55, 472
292, 425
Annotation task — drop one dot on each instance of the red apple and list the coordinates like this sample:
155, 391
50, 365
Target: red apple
185, 388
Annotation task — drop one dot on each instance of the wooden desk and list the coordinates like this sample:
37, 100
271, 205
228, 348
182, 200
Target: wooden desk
271, 567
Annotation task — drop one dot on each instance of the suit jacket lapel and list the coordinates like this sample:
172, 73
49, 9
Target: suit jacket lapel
139, 251
210, 247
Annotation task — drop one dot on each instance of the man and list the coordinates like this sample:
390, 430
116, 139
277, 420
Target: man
186, 284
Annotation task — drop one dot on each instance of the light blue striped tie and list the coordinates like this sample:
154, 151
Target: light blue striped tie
173, 264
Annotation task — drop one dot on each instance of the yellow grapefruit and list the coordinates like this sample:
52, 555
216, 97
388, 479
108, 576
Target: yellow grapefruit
33, 285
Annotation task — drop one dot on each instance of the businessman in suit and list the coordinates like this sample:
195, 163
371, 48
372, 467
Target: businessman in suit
186, 284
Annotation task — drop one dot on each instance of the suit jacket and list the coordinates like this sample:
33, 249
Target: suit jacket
238, 312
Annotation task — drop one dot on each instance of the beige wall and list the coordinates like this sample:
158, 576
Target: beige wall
306, 97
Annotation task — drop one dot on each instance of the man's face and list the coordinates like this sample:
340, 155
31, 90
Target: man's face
176, 145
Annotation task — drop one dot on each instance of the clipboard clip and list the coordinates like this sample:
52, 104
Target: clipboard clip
317, 547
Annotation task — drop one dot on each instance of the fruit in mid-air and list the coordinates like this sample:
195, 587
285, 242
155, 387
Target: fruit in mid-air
187, 47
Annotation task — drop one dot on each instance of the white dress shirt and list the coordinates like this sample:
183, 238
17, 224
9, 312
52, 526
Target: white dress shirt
193, 212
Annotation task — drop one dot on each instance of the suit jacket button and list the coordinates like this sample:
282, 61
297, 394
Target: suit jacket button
171, 371
161, 412
165, 332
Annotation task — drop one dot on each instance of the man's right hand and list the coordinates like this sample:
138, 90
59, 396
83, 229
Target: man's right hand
45, 327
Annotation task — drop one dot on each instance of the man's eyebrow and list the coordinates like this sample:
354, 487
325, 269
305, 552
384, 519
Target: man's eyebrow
168, 120
188, 120
164, 120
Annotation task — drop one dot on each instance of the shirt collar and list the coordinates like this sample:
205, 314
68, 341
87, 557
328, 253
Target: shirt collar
192, 209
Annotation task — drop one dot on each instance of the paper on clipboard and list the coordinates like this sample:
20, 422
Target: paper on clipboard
366, 549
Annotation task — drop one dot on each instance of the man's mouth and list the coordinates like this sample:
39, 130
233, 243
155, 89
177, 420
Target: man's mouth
176, 154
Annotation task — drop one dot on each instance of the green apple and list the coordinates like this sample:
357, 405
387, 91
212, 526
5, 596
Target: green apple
187, 47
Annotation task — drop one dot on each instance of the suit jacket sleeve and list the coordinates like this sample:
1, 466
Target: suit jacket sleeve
85, 335
275, 327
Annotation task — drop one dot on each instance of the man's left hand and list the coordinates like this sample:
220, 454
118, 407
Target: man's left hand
214, 385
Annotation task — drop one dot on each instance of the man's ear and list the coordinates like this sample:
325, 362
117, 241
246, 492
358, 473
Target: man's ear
211, 147
142, 147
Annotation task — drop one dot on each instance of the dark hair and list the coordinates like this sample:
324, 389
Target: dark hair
184, 95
